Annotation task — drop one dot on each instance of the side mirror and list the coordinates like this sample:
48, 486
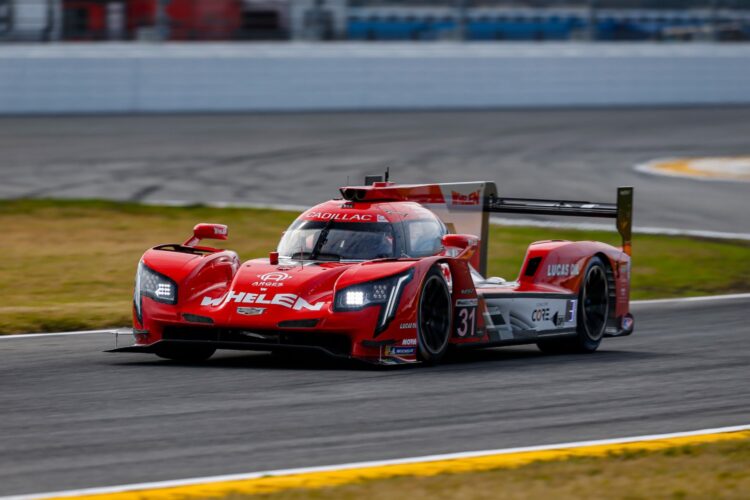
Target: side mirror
207, 232
460, 241
461, 246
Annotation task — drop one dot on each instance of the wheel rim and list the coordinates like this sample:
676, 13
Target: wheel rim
595, 303
433, 315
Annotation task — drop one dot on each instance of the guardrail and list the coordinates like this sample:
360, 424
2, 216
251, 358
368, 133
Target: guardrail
125, 78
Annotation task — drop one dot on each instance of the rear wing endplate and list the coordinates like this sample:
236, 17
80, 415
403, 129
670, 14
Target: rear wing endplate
622, 211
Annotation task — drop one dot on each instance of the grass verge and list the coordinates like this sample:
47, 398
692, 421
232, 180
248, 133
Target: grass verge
716, 470
70, 264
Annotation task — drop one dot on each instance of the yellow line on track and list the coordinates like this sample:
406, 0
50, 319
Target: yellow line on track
329, 478
726, 168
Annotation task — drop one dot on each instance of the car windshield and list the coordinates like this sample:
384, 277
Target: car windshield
331, 240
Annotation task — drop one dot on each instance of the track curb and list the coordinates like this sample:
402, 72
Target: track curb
330, 476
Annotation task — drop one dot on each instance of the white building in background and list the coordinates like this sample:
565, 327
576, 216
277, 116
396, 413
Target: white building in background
318, 19
30, 20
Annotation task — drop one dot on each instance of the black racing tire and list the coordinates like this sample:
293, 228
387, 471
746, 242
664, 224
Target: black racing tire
592, 314
185, 353
434, 318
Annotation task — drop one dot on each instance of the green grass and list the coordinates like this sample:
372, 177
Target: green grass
70, 264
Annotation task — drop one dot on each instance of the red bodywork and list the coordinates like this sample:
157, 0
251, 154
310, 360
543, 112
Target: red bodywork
190, 19
263, 306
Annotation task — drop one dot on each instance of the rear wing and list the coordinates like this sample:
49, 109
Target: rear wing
622, 210
465, 207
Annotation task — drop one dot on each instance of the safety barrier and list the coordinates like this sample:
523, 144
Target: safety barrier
124, 78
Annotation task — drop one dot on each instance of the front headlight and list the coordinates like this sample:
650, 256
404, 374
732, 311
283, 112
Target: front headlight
154, 285
385, 292
151, 284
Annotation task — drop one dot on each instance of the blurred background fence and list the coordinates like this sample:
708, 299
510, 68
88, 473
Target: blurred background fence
373, 20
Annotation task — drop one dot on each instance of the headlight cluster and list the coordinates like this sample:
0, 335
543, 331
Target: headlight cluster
155, 286
149, 283
385, 292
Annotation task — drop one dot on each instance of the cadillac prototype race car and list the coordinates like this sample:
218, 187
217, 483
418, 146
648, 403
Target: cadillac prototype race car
387, 274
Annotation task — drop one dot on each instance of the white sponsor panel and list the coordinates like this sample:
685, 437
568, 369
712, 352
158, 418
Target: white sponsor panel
513, 317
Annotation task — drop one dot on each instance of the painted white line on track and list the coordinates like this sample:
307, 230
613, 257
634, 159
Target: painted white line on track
52, 334
593, 226
705, 298
376, 463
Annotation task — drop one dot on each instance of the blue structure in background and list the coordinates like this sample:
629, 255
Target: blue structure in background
534, 27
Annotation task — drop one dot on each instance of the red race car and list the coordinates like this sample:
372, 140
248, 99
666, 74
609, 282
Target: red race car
387, 274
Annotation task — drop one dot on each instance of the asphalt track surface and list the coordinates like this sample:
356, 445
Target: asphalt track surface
73, 416
302, 159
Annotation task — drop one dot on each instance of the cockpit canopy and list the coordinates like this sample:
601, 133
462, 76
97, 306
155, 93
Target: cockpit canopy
335, 240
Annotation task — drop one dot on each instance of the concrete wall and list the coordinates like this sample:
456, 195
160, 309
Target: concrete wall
88, 78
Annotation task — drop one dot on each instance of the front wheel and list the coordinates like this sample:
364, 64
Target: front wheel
434, 325
592, 314
185, 353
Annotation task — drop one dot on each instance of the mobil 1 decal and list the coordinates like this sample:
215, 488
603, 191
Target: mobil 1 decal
465, 319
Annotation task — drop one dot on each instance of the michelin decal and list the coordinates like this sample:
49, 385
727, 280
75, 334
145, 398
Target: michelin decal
288, 300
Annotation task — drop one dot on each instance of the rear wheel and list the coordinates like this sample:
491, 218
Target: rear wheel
592, 314
185, 353
434, 317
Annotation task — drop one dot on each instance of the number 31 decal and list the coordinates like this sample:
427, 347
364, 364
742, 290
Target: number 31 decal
466, 321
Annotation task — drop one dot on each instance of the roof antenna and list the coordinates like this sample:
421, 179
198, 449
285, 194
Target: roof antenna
387, 173
347, 180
